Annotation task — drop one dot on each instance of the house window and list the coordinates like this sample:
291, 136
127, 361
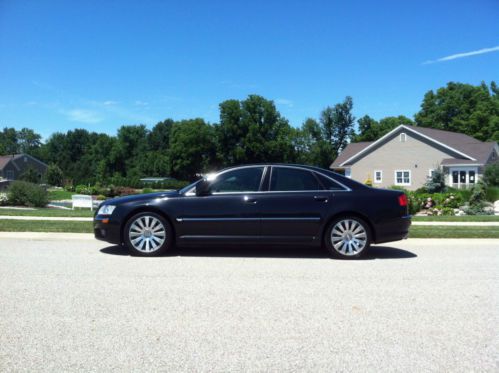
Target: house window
378, 176
348, 172
9, 175
403, 177
471, 176
403, 137
463, 176
431, 172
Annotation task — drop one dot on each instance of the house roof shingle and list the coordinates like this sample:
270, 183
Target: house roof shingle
349, 151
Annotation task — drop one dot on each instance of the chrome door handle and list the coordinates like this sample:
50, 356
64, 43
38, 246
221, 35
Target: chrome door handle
249, 200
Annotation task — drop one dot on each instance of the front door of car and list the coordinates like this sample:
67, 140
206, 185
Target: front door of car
228, 213
293, 209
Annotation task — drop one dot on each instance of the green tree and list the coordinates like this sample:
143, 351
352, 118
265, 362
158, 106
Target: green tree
338, 126
54, 175
28, 141
8, 141
368, 129
252, 131
491, 174
192, 148
371, 130
436, 182
465, 108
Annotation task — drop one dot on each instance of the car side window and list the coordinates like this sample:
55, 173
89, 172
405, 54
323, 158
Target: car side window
291, 179
329, 184
241, 180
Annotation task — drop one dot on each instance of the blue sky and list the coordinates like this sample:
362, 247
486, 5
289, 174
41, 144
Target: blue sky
101, 64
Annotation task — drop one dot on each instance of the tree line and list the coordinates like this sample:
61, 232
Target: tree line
249, 131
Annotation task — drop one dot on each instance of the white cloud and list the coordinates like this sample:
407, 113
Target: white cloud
110, 103
284, 101
82, 116
463, 55
141, 103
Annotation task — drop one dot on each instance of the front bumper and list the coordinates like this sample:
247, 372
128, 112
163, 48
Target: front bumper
393, 229
107, 229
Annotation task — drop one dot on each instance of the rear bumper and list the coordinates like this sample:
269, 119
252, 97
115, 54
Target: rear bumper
393, 229
109, 231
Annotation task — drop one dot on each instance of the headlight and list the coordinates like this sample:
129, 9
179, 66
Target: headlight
106, 210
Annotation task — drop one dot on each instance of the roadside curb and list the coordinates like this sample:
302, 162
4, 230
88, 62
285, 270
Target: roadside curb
458, 223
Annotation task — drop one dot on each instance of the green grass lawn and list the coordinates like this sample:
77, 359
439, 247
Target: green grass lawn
419, 231
457, 218
45, 226
57, 195
47, 212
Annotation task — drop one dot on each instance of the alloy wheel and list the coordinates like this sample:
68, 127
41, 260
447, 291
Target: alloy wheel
147, 234
348, 237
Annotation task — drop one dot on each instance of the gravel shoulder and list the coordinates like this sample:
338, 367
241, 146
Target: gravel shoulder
414, 305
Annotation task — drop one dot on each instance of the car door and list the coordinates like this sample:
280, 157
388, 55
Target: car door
294, 207
229, 214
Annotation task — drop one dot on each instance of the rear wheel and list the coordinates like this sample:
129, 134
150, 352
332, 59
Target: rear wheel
148, 234
348, 237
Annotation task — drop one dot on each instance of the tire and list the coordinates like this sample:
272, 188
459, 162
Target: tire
348, 237
148, 234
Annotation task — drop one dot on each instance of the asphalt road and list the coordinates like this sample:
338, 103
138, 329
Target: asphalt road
417, 305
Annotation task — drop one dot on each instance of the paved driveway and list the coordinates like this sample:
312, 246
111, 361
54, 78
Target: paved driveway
76, 304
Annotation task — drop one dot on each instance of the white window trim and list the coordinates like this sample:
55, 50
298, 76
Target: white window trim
403, 137
430, 171
402, 183
465, 169
381, 177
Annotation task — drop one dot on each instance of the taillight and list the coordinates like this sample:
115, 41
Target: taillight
403, 200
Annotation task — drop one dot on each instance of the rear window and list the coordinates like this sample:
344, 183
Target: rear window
291, 179
329, 184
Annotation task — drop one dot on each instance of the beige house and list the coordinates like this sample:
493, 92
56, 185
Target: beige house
407, 156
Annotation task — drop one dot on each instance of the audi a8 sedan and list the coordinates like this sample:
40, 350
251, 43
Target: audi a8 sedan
262, 204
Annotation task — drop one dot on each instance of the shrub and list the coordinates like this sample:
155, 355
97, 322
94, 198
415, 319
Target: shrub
491, 174
121, 191
492, 194
54, 175
478, 194
147, 190
83, 189
22, 193
3, 199
436, 183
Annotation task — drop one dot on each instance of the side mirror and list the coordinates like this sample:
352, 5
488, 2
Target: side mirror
203, 188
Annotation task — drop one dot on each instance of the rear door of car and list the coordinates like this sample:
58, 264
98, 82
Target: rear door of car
294, 207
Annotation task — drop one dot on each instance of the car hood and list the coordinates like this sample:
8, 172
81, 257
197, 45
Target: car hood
140, 197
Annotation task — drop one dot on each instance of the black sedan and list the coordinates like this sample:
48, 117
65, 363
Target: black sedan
271, 204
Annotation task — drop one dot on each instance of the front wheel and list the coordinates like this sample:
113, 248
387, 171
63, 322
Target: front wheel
148, 234
348, 237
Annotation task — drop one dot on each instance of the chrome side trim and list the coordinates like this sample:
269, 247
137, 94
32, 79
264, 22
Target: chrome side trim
300, 218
